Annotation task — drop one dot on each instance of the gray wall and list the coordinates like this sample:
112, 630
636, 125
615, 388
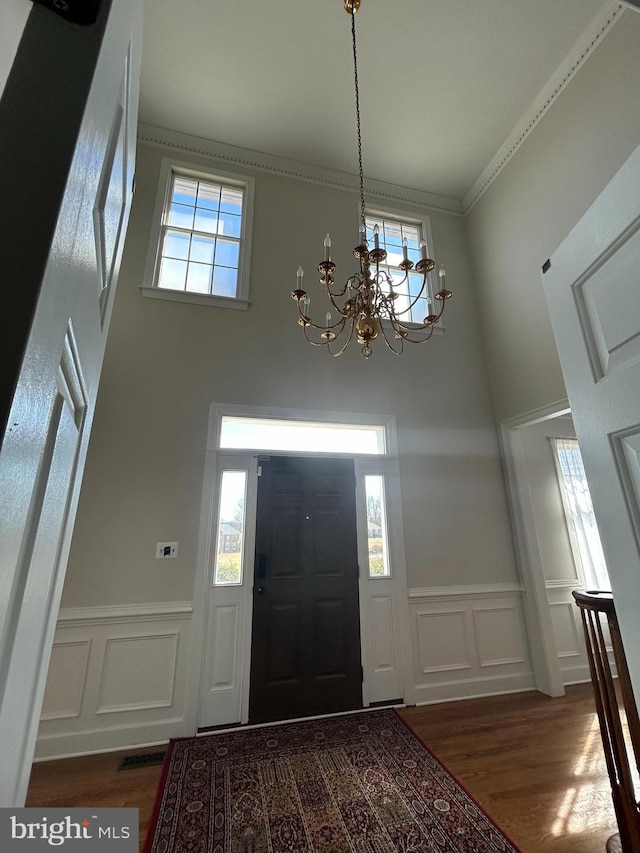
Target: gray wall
167, 361
570, 156
556, 557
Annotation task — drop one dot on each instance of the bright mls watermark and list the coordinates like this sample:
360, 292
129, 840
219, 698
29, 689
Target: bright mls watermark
102, 830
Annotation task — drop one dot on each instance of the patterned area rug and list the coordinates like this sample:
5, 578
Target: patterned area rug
358, 782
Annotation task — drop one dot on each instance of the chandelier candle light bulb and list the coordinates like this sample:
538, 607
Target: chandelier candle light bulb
366, 302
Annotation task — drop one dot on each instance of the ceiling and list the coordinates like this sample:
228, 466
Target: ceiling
443, 83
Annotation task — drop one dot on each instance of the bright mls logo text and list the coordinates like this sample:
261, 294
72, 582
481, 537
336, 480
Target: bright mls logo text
82, 830
58, 832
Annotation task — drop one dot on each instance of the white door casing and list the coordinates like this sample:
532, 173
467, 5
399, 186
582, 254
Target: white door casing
592, 286
544, 656
79, 236
223, 614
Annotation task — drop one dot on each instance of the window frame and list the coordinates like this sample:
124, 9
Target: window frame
424, 224
170, 167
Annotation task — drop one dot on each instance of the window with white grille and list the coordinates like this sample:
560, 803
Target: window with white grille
392, 232
200, 250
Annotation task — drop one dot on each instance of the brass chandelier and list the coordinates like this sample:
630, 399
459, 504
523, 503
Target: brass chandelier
366, 303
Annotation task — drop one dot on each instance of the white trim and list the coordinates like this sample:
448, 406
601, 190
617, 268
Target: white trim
244, 157
537, 610
195, 298
170, 166
497, 590
220, 410
564, 583
206, 594
505, 692
566, 71
72, 617
58, 757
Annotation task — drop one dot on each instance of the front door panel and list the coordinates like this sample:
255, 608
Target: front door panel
305, 655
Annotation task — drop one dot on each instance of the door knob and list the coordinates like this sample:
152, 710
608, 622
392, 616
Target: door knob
260, 590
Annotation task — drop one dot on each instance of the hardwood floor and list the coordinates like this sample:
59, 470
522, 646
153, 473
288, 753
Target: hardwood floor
535, 764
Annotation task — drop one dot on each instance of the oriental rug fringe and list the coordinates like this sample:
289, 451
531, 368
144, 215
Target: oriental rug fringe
356, 782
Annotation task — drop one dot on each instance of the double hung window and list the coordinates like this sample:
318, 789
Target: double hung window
200, 250
392, 231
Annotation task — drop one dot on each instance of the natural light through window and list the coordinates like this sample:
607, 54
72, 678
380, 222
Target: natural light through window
586, 802
579, 514
391, 234
231, 522
377, 540
201, 236
307, 437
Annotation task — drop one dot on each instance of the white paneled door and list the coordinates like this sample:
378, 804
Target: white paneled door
592, 285
66, 212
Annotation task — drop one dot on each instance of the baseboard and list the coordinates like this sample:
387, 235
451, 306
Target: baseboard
455, 691
70, 745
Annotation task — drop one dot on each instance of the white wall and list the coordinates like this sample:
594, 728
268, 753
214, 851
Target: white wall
556, 557
566, 161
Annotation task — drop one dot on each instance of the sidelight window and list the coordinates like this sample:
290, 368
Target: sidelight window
377, 533
231, 528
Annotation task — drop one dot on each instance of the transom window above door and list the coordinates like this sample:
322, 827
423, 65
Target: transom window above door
301, 436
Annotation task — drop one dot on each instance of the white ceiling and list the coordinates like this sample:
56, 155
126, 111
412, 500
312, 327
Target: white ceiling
442, 82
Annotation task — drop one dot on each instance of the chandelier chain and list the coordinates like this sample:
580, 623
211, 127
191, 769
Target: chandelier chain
379, 300
357, 90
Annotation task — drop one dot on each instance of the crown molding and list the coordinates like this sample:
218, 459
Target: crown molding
381, 191
583, 48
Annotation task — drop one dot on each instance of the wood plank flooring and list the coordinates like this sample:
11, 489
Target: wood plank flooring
535, 764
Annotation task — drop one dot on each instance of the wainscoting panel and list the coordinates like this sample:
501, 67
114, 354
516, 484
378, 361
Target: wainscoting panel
500, 634
117, 679
443, 641
382, 621
468, 641
125, 658
67, 677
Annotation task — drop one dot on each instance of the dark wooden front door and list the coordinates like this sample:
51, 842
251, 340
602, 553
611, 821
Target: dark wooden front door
305, 653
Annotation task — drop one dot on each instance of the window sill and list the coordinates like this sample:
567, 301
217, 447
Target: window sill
195, 298
438, 329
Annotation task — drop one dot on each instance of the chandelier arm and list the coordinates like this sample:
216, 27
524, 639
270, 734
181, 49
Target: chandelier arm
332, 300
347, 342
429, 330
389, 344
324, 343
415, 300
340, 293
